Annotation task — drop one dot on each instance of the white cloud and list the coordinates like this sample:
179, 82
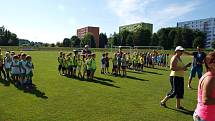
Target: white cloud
132, 11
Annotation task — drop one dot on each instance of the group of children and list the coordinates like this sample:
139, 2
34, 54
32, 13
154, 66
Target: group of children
136, 61
80, 65
17, 68
77, 64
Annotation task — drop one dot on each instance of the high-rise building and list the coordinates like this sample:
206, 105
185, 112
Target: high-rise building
204, 25
134, 27
93, 30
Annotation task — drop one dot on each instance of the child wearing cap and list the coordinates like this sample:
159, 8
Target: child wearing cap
118, 63
75, 62
15, 69
107, 59
64, 64
70, 64
60, 62
29, 71
22, 68
7, 65
103, 63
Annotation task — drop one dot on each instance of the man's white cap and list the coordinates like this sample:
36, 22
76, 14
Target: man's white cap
86, 46
179, 48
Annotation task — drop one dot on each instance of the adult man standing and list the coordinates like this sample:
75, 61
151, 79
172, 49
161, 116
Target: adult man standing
198, 60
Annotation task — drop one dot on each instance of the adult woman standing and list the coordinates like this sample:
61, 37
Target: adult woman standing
176, 78
205, 110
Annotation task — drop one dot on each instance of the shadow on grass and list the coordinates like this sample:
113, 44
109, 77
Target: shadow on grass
5, 83
103, 79
135, 78
139, 72
184, 111
99, 80
33, 90
162, 69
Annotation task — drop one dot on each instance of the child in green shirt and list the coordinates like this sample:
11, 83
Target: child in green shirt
79, 65
60, 61
93, 64
89, 66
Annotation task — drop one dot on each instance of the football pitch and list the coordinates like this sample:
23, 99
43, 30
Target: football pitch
107, 98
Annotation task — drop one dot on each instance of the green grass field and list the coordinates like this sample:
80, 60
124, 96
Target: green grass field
108, 98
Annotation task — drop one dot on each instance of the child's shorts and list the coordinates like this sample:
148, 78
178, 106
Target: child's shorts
70, 68
114, 66
123, 67
13, 75
7, 69
107, 65
88, 73
59, 67
30, 74
93, 70
84, 68
74, 68
22, 75
103, 66
63, 68
78, 68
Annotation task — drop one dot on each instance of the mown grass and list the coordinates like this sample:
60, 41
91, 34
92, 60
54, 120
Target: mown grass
108, 98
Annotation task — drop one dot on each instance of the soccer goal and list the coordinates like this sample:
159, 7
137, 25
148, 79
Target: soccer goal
125, 49
147, 48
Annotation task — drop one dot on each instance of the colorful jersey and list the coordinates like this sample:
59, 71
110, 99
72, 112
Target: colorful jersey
79, 63
141, 60
75, 63
89, 64
93, 64
70, 62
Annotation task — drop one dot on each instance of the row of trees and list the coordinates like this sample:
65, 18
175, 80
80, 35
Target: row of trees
8, 38
88, 39
165, 37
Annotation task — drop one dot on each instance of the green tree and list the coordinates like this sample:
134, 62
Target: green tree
103, 40
142, 37
88, 40
116, 39
75, 41
59, 44
199, 41
188, 38
123, 36
130, 39
155, 40
66, 42
178, 39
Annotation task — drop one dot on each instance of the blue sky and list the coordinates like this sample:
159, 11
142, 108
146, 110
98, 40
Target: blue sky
52, 20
